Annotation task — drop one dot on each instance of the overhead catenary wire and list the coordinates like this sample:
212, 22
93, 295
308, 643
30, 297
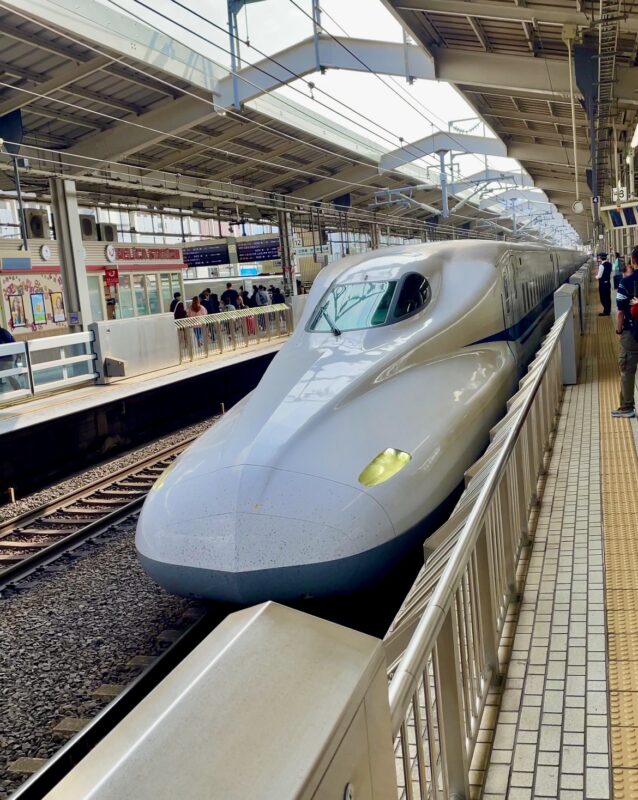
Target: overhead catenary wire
306, 206
380, 78
396, 139
351, 158
224, 151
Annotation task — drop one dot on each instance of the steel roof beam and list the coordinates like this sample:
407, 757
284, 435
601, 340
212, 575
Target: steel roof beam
548, 154
565, 186
506, 12
327, 188
441, 140
60, 79
357, 55
123, 140
487, 176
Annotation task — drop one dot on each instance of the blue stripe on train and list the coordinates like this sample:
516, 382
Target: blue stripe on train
524, 328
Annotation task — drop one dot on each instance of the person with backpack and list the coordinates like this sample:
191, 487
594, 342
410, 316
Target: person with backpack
603, 276
627, 330
178, 309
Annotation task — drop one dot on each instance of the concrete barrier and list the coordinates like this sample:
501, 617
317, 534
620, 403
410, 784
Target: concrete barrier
143, 344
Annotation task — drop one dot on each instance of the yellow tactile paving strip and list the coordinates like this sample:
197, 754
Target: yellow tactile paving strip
619, 471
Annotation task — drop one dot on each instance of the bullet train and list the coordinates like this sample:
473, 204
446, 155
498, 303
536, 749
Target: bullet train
363, 424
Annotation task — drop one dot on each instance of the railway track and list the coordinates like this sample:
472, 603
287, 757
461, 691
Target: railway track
39, 536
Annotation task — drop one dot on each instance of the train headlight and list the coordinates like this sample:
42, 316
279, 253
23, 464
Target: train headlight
384, 466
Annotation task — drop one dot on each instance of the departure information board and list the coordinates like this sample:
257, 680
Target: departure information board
260, 250
206, 255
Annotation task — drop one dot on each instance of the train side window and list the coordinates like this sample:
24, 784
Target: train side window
414, 294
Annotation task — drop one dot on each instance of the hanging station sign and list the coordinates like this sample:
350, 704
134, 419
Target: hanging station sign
206, 255
257, 250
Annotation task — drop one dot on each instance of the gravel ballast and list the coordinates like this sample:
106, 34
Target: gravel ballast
70, 631
103, 470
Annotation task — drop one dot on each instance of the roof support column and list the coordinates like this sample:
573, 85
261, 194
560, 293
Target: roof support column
445, 213
75, 284
285, 240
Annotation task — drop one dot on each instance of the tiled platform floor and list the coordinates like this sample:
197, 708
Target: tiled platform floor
552, 729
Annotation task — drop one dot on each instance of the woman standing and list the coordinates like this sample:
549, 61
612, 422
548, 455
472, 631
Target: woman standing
197, 310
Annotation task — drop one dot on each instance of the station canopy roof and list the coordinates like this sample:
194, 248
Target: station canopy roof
126, 111
509, 58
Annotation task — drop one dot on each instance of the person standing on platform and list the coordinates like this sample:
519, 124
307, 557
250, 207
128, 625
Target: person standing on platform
229, 297
627, 330
205, 300
177, 307
603, 276
617, 267
197, 310
177, 298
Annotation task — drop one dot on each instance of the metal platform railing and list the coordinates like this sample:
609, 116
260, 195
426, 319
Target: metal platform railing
202, 337
45, 365
452, 620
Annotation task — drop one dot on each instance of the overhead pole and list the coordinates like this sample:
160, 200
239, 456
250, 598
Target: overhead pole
445, 213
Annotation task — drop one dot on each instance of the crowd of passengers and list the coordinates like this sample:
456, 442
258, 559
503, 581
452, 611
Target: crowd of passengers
231, 300
623, 273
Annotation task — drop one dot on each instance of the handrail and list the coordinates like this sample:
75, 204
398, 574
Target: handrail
408, 673
227, 316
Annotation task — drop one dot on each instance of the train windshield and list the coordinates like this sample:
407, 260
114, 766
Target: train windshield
354, 306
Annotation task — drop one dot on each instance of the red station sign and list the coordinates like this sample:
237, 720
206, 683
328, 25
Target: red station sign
111, 276
147, 253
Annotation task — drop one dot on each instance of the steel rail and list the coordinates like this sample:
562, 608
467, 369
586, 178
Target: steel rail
408, 673
25, 566
69, 755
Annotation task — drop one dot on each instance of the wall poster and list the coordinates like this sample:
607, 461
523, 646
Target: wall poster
16, 307
57, 306
38, 309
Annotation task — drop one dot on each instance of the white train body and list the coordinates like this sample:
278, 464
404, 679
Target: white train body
274, 501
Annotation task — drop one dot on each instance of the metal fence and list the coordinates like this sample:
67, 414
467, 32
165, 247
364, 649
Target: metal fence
44, 365
202, 337
447, 633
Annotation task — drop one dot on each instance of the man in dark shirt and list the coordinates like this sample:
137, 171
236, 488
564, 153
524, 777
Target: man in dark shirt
604, 283
206, 300
230, 295
177, 298
627, 330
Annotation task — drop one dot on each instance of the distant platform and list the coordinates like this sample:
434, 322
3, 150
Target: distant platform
53, 436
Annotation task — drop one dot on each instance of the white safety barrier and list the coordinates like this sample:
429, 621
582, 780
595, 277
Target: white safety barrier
202, 337
45, 365
233, 735
444, 641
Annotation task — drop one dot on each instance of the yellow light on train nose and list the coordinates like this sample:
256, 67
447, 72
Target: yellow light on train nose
384, 466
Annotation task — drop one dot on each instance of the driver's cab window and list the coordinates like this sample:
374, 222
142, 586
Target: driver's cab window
413, 295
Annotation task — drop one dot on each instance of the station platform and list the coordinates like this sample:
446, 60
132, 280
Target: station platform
84, 425
564, 723
61, 404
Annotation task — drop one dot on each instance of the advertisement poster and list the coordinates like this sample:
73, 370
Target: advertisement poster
38, 309
16, 306
111, 276
57, 305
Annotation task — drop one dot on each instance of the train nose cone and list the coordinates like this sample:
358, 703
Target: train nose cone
248, 533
